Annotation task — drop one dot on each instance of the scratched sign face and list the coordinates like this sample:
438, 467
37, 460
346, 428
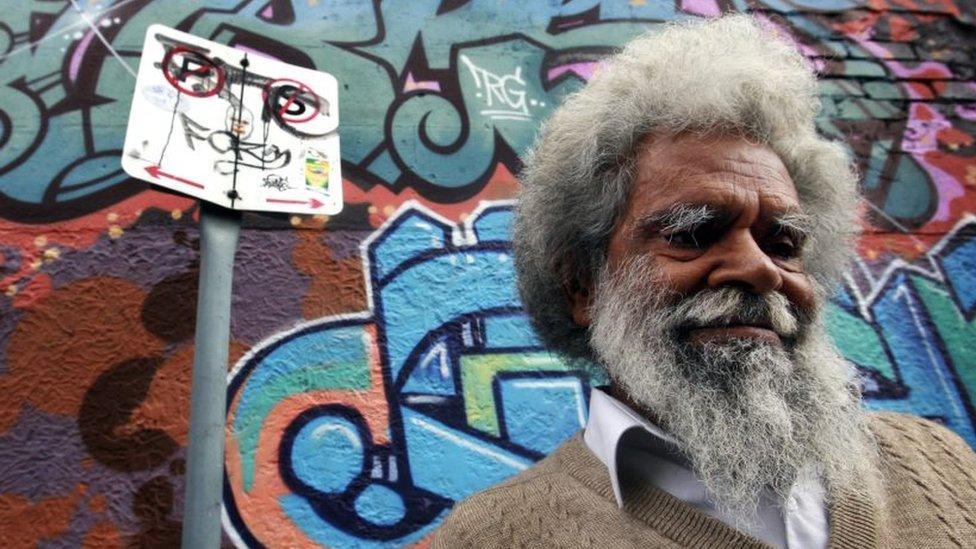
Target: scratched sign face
234, 128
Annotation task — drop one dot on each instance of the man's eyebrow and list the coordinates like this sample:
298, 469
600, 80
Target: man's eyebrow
677, 217
794, 222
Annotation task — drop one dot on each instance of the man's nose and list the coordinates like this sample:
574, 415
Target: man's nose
740, 261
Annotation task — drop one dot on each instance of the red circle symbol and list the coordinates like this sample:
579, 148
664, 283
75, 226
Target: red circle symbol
292, 101
193, 66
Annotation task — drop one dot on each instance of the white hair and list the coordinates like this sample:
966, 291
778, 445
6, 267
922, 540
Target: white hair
725, 76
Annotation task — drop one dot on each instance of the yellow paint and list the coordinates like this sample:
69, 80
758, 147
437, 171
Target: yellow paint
51, 254
478, 374
316, 169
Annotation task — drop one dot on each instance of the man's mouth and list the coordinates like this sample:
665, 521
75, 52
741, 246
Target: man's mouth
700, 335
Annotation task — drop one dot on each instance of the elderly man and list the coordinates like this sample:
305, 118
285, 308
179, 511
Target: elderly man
682, 225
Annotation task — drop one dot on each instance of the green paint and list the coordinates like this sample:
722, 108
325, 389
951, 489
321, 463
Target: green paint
836, 87
858, 341
863, 67
909, 196
956, 333
868, 109
884, 90
479, 371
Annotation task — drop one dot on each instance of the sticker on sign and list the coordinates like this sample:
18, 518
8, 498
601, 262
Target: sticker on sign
233, 127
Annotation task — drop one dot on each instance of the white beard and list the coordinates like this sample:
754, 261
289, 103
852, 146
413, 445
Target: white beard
748, 415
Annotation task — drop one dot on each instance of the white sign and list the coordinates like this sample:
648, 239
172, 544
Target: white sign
234, 128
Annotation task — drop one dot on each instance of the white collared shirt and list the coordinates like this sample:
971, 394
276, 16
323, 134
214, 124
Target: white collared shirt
652, 456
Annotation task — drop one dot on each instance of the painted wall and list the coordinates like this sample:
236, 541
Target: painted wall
382, 367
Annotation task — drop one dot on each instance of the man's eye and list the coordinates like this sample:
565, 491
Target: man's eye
783, 248
684, 239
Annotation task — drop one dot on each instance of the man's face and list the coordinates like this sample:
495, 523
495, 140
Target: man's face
712, 213
705, 320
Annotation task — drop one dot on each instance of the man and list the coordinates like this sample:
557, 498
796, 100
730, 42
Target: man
682, 224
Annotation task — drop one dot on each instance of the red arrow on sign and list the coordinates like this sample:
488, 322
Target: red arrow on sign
311, 202
158, 173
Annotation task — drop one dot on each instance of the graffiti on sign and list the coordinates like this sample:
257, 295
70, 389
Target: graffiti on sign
217, 91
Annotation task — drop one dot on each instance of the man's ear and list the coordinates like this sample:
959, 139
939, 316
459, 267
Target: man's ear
580, 295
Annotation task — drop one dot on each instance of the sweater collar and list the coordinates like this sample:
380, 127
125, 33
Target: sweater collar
618, 436
854, 522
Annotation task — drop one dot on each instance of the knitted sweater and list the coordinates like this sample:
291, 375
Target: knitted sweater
927, 499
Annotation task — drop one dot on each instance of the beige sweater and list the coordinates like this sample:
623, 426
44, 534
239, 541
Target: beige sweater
929, 495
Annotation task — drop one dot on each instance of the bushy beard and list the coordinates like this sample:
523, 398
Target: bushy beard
747, 414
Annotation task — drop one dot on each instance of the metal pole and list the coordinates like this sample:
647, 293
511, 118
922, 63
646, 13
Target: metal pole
219, 229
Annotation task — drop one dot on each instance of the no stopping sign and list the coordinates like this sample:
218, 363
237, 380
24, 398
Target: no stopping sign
291, 101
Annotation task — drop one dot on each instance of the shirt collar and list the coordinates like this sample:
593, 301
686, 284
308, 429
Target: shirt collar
608, 420
611, 430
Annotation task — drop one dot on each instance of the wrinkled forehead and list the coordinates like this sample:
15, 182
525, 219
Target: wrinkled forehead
722, 172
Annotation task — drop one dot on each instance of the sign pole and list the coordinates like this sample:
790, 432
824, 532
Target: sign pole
219, 230
237, 133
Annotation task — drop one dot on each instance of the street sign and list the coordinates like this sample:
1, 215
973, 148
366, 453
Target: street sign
233, 127
239, 131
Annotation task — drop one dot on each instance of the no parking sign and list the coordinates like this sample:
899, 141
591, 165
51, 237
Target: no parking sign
234, 128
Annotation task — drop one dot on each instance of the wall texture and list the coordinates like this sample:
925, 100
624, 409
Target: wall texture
382, 367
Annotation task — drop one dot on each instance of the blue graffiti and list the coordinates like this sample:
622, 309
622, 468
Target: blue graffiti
912, 336
439, 94
474, 398
471, 394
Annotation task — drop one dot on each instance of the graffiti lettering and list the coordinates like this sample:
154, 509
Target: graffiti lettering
276, 182
463, 378
391, 346
469, 91
504, 95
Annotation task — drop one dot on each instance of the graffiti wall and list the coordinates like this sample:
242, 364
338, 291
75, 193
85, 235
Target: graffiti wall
382, 367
